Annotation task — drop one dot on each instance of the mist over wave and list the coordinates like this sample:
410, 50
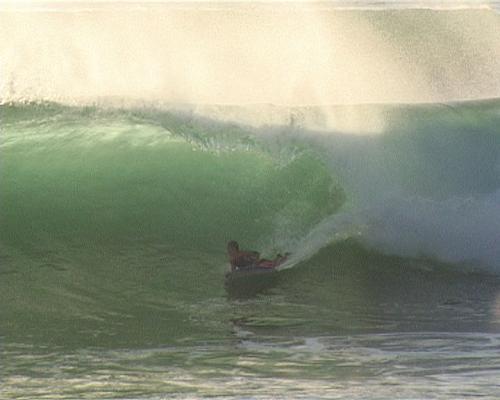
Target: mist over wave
248, 53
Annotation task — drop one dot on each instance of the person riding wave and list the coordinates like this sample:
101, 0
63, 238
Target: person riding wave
240, 259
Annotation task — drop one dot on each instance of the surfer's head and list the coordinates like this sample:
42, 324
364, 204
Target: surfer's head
232, 247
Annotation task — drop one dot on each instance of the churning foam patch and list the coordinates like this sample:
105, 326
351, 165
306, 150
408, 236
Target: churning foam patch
456, 230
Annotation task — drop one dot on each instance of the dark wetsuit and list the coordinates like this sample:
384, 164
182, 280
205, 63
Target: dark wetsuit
251, 259
245, 259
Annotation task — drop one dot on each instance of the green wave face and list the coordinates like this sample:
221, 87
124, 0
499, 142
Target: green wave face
116, 216
84, 176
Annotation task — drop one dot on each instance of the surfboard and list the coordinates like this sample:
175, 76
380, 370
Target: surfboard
246, 272
249, 281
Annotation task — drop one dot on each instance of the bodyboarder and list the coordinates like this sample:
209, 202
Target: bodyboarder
242, 259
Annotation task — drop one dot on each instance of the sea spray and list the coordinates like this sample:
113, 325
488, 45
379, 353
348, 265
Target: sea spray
242, 53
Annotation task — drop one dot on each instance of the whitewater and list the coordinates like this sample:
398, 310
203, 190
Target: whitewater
137, 139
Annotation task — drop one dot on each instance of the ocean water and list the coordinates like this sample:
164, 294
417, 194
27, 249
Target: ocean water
115, 210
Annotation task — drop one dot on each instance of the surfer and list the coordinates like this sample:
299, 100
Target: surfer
248, 259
